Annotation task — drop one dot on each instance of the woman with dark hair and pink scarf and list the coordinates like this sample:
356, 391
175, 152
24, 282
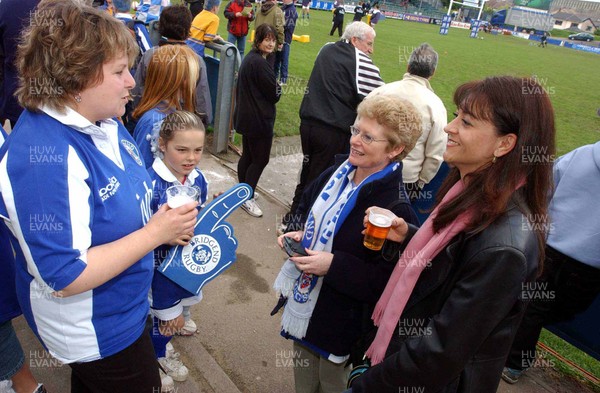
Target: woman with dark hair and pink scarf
454, 300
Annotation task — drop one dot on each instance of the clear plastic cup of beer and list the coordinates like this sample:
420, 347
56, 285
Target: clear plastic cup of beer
378, 226
179, 195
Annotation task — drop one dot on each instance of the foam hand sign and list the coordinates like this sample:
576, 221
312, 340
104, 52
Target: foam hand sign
212, 249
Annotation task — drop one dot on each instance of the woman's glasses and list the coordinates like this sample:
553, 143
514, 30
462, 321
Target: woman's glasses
366, 138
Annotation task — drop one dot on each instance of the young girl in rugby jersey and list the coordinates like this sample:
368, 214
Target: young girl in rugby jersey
179, 149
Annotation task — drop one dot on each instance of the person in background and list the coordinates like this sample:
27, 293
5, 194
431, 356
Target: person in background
306, 9
359, 12
271, 14
149, 10
331, 291
123, 13
170, 85
205, 26
239, 14
174, 28
366, 6
195, 6
282, 57
572, 267
338, 18
335, 88
14, 17
14, 370
122, 10
448, 314
544, 39
423, 162
256, 94
83, 232
376, 16
180, 145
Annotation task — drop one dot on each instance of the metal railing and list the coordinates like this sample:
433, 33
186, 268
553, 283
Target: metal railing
221, 68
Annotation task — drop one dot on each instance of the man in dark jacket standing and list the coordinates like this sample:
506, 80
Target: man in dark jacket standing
338, 18
358, 12
238, 13
282, 57
342, 76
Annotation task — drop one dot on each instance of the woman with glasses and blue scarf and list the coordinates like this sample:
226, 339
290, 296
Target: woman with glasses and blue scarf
330, 290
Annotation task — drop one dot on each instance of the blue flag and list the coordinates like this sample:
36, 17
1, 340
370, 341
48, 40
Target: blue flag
212, 249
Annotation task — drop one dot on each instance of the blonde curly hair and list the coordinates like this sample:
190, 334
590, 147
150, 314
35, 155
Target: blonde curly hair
400, 119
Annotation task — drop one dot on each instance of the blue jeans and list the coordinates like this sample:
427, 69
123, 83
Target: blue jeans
240, 42
11, 353
281, 63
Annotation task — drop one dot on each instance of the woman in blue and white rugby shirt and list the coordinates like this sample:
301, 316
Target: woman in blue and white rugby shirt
76, 196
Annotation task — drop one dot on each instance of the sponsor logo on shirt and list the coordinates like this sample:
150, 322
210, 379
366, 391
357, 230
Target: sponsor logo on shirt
145, 203
132, 150
202, 254
110, 189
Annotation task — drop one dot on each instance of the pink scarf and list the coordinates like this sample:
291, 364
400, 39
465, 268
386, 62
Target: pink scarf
421, 250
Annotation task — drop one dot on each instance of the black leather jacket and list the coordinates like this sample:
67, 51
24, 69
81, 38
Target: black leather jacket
458, 325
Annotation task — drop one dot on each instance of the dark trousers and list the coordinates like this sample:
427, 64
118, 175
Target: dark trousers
337, 25
566, 287
281, 63
320, 144
255, 157
133, 370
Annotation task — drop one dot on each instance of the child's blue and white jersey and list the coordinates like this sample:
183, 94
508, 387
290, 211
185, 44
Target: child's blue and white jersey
146, 129
68, 185
9, 305
167, 298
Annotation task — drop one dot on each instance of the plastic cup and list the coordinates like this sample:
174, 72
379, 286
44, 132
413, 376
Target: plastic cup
380, 221
180, 195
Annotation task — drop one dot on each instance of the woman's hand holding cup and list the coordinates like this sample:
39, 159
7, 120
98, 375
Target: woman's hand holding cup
381, 224
168, 225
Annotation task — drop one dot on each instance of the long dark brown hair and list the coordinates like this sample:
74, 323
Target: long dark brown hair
517, 106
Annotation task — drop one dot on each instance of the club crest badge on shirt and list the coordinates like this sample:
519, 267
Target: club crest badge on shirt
132, 150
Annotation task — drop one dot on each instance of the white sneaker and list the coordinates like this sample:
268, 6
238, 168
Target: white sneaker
170, 352
166, 382
251, 207
188, 329
174, 369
